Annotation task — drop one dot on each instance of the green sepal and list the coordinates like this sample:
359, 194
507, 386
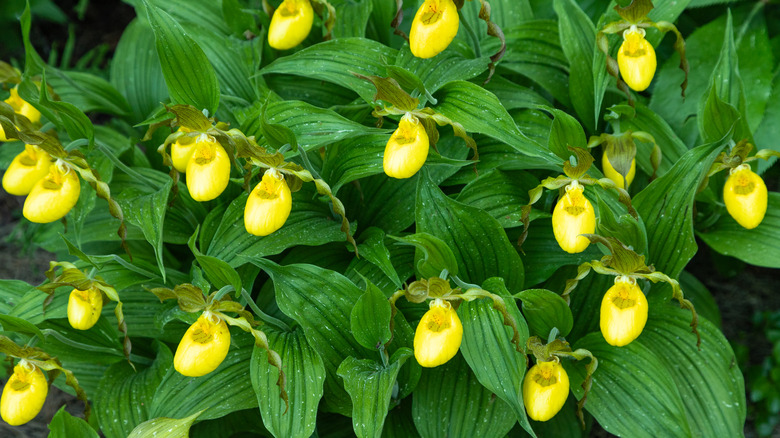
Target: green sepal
189, 296
582, 162
636, 11
187, 116
390, 91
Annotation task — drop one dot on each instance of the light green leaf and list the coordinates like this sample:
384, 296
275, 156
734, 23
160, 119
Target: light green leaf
565, 132
219, 272
500, 193
19, 325
164, 427
442, 69
488, 349
64, 425
478, 241
432, 255
305, 378
543, 310
188, 73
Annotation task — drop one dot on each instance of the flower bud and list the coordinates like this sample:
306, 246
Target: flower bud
24, 394
84, 307
22, 107
614, 175
406, 149
268, 206
433, 28
290, 24
54, 196
545, 389
182, 150
573, 215
203, 347
27, 168
208, 170
636, 59
438, 335
745, 196
623, 312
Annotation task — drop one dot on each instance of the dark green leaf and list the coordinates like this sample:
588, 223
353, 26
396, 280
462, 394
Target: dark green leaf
370, 319
500, 193
544, 310
432, 255
64, 425
219, 272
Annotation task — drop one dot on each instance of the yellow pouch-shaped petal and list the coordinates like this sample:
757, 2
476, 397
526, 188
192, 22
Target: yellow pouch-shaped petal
84, 307
22, 107
745, 196
24, 394
623, 312
208, 171
27, 168
268, 206
182, 150
438, 335
54, 196
407, 148
573, 215
433, 28
290, 24
203, 347
545, 389
636, 59
614, 175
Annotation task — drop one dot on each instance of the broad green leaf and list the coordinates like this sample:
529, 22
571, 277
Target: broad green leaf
64, 115
88, 92
478, 241
136, 71
709, 382
219, 272
310, 223
450, 402
585, 299
759, 246
193, 12
578, 39
432, 255
665, 206
488, 349
234, 60
373, 249
698, 294
479, 111
188, 72
442, 69
100, 344
320, 301
12, 292
239, 423
370, 319
768, 131
305, 378
19, 325
165, 427
64, 425
565, 132
216, 394
399, 423
335, 61
500, 193
370, 385
633, 392
360, 270
544, 310
513, 95
534, 51
351, 18
564, 423
123, 398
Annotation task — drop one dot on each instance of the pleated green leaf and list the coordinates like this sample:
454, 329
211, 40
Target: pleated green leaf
543, 256
633, 392
219, 272
370, 319
543, 310
164, 427
100, 344
488, 349
320, 301
123, 398
88, 92
450, 402
442, 69
217, 394
188, 72
310, 223
478, 241
305, 378
500, 193
479, 111
399, 423
432, 255
666, 208
372, 248
709, 382
64, 425
370, 385
759, 246
335, 61
352, 18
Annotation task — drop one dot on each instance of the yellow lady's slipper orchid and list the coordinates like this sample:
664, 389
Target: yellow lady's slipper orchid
745, 196
623, 312
614, 175
208, 171
438, 335
182, 152
27, 168
290, 24
24, 394
407, 148
573, 215
84, 307
433, 28
203, 347
636, 59
268, 206
545, 389
54, 196
22, 107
